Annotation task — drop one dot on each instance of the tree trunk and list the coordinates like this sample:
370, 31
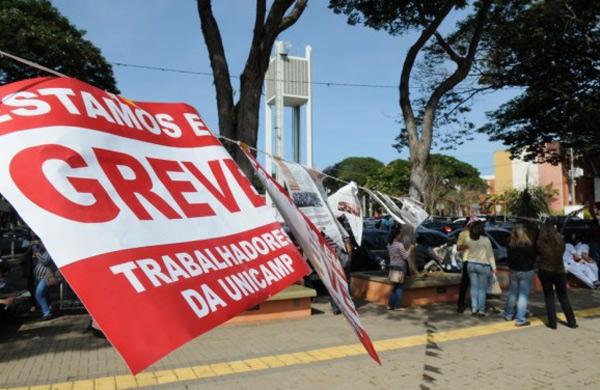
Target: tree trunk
420, 144
247, 110
418, 175
240, 121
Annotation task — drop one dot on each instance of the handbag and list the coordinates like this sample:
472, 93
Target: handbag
494, 287
51, 278
396, 276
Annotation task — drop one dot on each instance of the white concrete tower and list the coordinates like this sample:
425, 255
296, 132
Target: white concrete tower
288, 84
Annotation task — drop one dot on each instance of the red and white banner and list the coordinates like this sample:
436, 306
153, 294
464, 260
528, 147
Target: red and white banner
308, 197
149, 219
322, 257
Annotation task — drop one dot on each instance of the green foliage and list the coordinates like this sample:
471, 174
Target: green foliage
532, 202
356, 169
452, 183
35, 30
551, 50
458, 173
392, 179
394, 17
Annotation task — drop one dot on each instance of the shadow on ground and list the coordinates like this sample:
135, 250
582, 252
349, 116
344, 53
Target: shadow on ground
444, 316
28, 337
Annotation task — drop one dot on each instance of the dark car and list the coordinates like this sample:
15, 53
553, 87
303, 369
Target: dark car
569, 225
432, 237
13, 240
373, 255
440, 224
499, 239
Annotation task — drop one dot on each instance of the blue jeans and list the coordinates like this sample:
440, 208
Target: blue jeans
396, 296
518, 292
41, 296
479, 276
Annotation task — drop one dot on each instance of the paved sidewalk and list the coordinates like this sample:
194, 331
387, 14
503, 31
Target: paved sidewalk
421, 348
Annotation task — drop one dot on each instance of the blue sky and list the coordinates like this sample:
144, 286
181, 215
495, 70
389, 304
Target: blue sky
346, 121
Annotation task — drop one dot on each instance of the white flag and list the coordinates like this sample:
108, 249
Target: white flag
345, 202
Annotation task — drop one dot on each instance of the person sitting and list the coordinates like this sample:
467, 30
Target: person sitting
426, 257
579, 263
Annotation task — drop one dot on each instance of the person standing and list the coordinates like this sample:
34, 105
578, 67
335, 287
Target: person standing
481, 265
464, 279
344, 259
522, 255
400, 249
552, 274
42, 273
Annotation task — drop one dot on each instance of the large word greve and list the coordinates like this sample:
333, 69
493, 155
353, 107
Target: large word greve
37, 187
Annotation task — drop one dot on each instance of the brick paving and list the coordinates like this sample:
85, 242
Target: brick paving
44, 353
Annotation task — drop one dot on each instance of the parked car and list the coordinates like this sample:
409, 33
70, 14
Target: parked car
499, 238
568, 225
16, 236
440, 224
432, 237
372, 254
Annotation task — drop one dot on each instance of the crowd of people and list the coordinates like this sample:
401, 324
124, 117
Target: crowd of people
531, 247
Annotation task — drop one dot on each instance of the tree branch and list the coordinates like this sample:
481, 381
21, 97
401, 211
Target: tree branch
293, 16
459, 74
470, 94
448, 49
405, 104
218, 63
276, 15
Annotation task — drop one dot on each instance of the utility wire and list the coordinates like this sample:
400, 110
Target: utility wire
193, 72
55, 73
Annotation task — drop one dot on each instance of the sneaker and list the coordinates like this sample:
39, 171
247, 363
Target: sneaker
47, 317
573, 326
481, 314
519, 324
460, 309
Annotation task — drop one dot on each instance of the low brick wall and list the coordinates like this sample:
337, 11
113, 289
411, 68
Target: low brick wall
292, 302
503, 274
433, 288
